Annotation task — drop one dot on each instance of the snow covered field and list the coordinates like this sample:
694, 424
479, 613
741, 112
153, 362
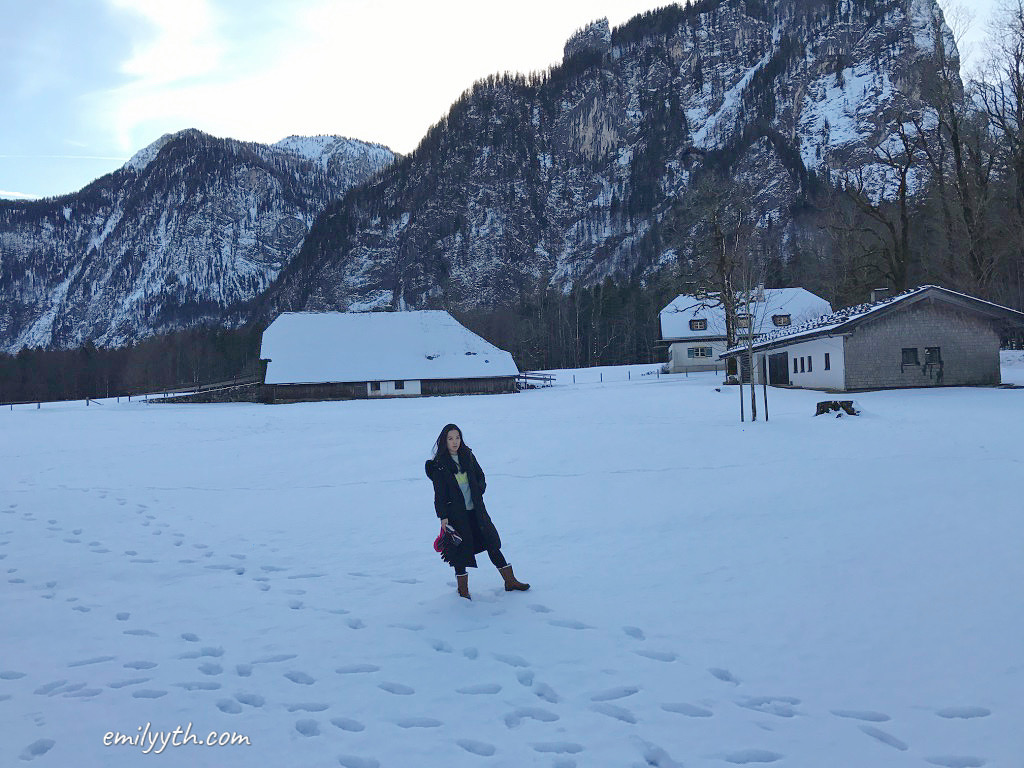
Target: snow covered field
809, 592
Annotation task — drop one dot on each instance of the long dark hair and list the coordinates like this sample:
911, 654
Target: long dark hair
441, 446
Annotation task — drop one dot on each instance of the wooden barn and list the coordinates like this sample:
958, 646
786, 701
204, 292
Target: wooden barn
350, 355
925, 337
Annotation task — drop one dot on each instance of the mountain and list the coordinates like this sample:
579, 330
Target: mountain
189, 229
566, 178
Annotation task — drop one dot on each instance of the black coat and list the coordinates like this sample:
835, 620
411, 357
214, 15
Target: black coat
450, 503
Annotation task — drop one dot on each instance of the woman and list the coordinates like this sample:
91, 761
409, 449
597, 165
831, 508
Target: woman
459, 486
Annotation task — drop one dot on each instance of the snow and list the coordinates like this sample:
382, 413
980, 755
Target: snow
377, 346
141, 159
799, 303
716, 125
802, 592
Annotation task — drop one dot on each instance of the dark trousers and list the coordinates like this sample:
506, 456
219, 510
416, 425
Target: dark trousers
495, 554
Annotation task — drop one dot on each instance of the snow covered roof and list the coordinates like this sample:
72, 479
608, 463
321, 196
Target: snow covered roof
800, 304
308, 347
844, 319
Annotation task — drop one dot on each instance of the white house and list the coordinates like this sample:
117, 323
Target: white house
694, 328
925, 337
342, 355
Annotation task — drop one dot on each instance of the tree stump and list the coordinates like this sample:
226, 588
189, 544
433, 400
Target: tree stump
839, 407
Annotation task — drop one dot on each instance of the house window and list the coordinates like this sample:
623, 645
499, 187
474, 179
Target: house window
801, 365
743, 320
910, 356
698, 352
375, 386
932, 355
399, 385
795, 366
698, 325
810, 364
828, 365
782, 320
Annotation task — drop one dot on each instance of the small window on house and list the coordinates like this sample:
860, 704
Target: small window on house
810, 364
782, 320
399, 385
698, 352
375, 386
828, 364
910, 356
802, 365
795, 366
743, 320
932, 355
698, 325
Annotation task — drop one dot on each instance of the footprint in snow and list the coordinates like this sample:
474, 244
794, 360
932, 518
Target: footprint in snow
131, 681
747, 756
687, 709
148, 693
470, 653
300, 678
418, 722
724, 675
206, 650
307, 727
210, 668
618, 713
355, 669
139, 665
8, 675
92, 660
229, 706
658, 655
198, 686
397, 688
354, 761
886, 738
780, 706
963, 713
540, 608
441, 646
615, 693
295, 605
860, 714
190, 637
347, 724
481, 688
355, 623
274, 659
243, 670
568, 624
525, 677
140, 633
515, 718
307, 707
250, 699
634, 632
474, 747
559, 747
546, 692
511, 660
956, 761
37, 748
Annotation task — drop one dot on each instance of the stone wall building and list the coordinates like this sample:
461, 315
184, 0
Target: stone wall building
925, 337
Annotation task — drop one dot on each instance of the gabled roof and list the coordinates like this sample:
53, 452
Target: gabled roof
314, 347
800, 304
847, 319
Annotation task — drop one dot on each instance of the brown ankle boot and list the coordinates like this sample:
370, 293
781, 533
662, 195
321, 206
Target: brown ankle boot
511, 582
462, 579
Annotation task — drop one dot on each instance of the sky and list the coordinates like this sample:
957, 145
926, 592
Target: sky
85, 85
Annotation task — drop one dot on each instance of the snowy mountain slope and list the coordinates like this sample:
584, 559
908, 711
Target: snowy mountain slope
806, 592
189, 229
568, 179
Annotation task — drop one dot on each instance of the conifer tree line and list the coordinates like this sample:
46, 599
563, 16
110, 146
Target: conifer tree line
171, 361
